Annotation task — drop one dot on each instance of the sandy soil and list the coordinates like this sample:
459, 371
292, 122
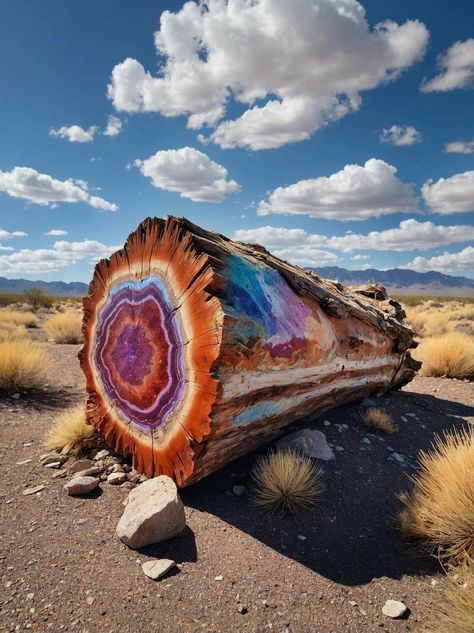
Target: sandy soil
63, 568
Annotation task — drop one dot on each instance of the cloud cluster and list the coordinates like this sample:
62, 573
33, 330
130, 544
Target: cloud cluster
400, 135
450, 195
47, 260
56, 233
357, 192
75, 133
190, 173
409, 235
308, 66
114, 126
28, 184
456, 68
460, 262
459, 147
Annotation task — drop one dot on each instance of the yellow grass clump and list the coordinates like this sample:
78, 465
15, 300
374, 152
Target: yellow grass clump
450, 355
284, 481
27, 319
455, 612
21, 364
440, 508
71, 432
12, 332
379, 419
65, 327
427, 321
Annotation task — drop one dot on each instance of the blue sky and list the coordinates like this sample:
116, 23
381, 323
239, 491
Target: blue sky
349, 194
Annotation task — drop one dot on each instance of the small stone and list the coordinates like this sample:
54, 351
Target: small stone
53, 465
302, 537
33, 491
23, 462
238, 491
365, 440
117, 468
30, 596
80, 464
339, 448
16, 396
219, 578
434, 582
155, 569
241, 609
327, 423
353, 603
115, 479
411, 415
394, 609
81, 485
90, 600
102, 454
309, 442
93, 471
404, 418
228, 493
398, 457
51, 458
8, 584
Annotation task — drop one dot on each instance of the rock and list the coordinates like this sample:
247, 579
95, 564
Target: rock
23, 462
81, 485
80, 464
154, 513
155, 569
50, 458
301, 537
90, 600
16, 396
394, 609
115, 479
219, 578
367, 403
33, 491
59, 473
238, 491
102, 454
117, 468
365, 440
339, 448
398, 457
327, 423
89, 472
53, 465
310, 442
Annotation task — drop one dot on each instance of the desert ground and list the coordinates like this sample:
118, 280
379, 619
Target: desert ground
329, 570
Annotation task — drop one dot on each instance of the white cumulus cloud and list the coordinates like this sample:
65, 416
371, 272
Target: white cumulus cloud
56, 232
456, 68
9, 235
409, 235
190, 173
400, 135
461, 262
47, 260
450, 195
28, 184
308, 63
75, 133
357, 192
114, 126
459, 147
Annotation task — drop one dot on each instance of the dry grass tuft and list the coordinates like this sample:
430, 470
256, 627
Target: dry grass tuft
378, 419
428, 320
284, 481
12, 332
455, 612
21, 364
440, 508
71, 432
65, 327
450, 355
11, 317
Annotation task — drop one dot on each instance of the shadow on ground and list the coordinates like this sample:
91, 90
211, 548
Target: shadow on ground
351, 536
40, 400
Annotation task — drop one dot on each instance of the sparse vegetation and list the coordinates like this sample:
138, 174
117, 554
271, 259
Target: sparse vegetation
450, 355
440, 508
64, 327
13, 317
21, 364
12, 332
37, 298
379, 419
455, 613
70, 432
285, 481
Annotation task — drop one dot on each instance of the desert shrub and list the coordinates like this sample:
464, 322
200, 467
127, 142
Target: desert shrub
64, 327
37, 298
28, 319
440, 508
12, 332
21, 364
71, 432
379, 419
450, 355
428, 322
285, 481
455, 612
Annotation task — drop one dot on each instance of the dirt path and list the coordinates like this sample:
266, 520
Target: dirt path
63, 569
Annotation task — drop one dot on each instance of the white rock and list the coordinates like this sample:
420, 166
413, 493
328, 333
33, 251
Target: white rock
102, 454
115, 479
155, 569
310, 442
81, 485
154, 513
53, 465
394, 609
51, 458
80, 464
219, 578
238, 491
33, 491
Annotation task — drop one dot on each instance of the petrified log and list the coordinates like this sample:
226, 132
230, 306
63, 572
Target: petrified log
198, 349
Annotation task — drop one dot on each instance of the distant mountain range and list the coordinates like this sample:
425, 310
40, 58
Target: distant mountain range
402, 281
397, 281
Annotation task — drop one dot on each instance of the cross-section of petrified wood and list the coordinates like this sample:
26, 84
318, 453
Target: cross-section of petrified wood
198, 349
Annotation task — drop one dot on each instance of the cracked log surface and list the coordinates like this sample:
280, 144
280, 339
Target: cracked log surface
198, 349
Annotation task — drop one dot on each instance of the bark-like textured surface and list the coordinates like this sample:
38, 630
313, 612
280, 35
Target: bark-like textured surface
198, 349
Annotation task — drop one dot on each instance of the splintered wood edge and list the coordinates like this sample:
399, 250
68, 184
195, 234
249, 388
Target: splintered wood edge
167, 248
